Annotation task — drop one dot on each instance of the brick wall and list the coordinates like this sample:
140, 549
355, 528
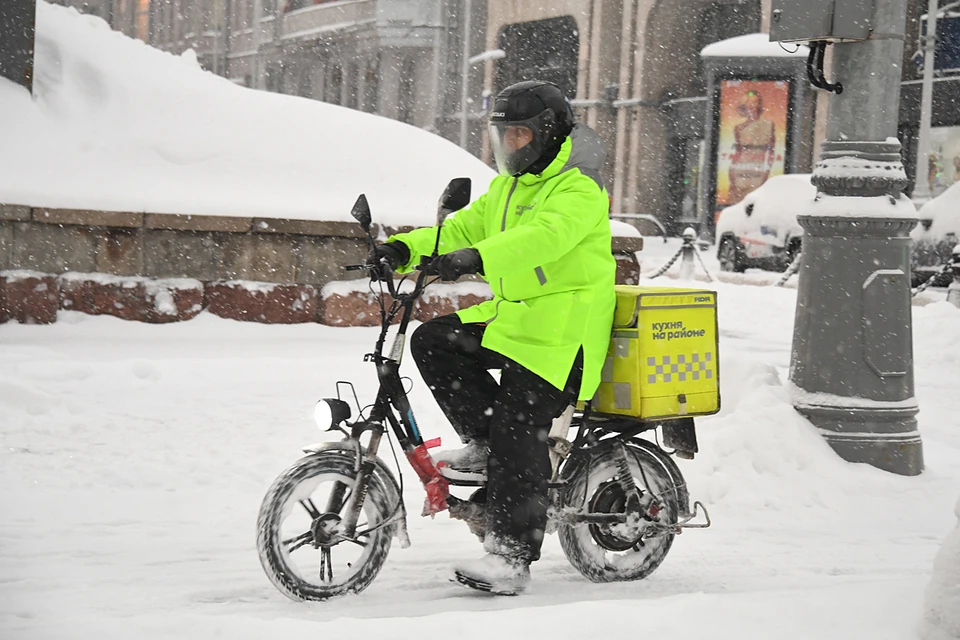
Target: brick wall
300, 257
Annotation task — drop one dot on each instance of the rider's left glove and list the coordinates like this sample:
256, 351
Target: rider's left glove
451, 266
395, 254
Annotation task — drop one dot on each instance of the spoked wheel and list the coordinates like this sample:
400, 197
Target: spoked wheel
611, 553
299, 540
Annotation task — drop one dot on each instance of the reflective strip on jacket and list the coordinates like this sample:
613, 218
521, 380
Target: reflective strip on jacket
546, 248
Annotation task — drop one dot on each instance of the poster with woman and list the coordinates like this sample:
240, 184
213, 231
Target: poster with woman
752, 141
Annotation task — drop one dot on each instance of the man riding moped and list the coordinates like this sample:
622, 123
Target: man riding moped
541, 237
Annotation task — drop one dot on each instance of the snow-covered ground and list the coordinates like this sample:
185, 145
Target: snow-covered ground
133, 459
117, 125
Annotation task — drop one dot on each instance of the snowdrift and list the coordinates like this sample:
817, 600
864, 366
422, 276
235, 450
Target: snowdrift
944, 212
121, 432
117, 125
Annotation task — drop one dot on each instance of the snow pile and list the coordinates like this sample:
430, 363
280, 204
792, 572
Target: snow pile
942, 618
944, 214
121, 433
775, 207
623, 230
759, 453
117, 125
753, 45
872, 207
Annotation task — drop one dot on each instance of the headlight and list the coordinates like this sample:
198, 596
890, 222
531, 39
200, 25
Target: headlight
330, 412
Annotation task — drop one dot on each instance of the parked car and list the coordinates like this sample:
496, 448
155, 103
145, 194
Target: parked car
935, 236
762, 229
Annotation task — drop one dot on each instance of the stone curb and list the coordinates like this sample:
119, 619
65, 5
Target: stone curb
28, 297
132, 298
33, 297
262, 302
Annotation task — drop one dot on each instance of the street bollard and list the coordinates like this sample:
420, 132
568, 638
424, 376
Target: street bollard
953, 292
687, 253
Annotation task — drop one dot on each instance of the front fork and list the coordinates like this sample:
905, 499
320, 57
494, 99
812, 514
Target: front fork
368, 463
437, 487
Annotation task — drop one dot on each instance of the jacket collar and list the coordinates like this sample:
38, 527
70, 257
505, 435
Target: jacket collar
552, 169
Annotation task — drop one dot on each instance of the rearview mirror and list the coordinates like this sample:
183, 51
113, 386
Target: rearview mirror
455, 197
361, 212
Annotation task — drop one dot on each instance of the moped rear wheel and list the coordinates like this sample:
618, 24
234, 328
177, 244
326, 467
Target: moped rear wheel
613, 553
298, 541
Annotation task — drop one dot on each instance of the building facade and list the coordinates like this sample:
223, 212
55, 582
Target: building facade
632, 68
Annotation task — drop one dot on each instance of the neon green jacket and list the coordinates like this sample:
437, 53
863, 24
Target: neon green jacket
545, 244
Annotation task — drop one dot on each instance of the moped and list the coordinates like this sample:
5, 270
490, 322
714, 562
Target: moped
326, 525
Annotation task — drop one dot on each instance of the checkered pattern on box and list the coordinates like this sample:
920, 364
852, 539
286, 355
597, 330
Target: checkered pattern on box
680, 368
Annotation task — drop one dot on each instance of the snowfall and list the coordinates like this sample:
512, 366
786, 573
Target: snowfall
133, 459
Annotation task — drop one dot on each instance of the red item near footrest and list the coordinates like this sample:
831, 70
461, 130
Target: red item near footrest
436, 485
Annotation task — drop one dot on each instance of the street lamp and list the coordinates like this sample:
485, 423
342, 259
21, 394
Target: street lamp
921, 188
492, 54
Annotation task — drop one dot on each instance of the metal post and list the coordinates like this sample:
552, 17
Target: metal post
255, 46
953, 292
226, 39
218, 14
921, 188
852, 360
436, 101
465, 71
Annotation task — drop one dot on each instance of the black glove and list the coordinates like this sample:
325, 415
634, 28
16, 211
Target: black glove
395, 254
451, 266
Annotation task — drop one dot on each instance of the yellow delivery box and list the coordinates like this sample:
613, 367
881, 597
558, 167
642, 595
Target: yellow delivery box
663, 355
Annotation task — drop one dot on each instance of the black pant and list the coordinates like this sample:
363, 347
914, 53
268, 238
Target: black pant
515, 415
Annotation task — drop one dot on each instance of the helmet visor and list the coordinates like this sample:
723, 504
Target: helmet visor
516, 145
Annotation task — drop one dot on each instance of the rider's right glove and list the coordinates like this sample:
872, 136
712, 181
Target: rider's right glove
395, 254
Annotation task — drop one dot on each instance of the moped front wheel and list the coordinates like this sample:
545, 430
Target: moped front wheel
301, 547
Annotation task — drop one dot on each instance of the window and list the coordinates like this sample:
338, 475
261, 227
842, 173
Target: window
371, 86
305, 83
334, 86
353, 94
273, 79
406, 98
541, 50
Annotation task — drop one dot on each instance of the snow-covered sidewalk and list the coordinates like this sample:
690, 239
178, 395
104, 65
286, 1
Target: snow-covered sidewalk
133, 459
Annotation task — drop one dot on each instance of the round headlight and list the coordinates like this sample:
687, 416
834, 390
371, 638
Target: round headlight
330, 412
323, 415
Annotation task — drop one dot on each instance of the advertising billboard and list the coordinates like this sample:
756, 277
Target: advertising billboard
752, 142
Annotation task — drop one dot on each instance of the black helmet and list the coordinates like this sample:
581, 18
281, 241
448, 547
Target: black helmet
538, 106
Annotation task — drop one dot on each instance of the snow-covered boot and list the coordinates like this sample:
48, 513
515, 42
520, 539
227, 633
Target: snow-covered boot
472, 458
500, 575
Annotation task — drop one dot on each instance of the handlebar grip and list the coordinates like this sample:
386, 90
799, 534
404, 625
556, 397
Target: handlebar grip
425, 264
357, 267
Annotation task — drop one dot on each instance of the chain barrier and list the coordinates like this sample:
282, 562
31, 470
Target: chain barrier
686, 247
662, 270
792, 269
933, 278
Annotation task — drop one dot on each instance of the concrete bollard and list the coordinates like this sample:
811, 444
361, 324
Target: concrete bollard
953, 292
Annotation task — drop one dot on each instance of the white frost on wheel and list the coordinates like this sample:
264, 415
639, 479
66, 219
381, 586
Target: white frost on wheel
284, 519
580, 543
